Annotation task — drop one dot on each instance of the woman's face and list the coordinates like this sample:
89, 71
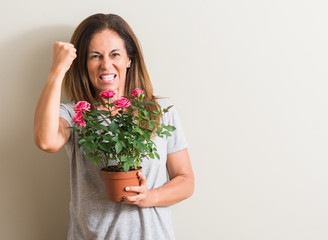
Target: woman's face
107, 62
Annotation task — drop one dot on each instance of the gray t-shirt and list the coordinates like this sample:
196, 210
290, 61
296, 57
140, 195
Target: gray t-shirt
93, 216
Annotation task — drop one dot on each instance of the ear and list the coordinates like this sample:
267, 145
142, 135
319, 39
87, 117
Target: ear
129, 63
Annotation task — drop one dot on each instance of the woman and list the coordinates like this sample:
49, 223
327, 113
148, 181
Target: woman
104, 54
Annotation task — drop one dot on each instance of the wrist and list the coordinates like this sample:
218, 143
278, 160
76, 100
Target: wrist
154, 197
57, 72
56, 75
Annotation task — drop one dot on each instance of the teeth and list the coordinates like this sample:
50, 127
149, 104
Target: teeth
107, 77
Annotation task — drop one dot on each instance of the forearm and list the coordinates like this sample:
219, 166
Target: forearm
46, 119
176, 190
51, 133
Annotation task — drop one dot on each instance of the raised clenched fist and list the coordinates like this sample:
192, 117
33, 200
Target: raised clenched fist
64, 54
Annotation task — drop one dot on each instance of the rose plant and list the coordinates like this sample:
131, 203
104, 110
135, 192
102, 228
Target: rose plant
123, 132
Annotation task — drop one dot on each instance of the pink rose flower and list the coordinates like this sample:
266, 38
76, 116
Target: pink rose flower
78, 118
107, 94
122, 103
81, 106
137, 91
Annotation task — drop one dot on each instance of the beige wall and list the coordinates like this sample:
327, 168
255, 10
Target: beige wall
249, 79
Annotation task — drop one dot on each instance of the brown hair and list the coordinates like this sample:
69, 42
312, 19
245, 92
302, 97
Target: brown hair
77, 84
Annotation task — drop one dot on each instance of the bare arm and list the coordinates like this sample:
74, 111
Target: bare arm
180, 187
50, 131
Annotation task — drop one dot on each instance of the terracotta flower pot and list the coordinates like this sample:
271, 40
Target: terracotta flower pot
117, 181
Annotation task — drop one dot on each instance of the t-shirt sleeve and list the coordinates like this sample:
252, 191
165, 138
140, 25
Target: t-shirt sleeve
66, 111
177, 141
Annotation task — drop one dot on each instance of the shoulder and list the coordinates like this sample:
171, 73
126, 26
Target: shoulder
66, 111
164, 102
171, 116
69, 107
177, 141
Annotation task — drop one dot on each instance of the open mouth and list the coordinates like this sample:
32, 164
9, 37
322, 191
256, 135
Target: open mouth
107, 77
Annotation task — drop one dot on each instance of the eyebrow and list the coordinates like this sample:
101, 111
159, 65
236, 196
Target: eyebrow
114, 50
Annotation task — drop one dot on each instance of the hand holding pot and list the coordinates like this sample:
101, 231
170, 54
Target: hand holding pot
145, 197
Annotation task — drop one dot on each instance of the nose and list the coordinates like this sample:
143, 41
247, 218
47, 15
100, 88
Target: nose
106, 63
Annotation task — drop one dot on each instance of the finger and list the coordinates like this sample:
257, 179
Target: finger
70, 44
136, 189
71, 48
73, 55
132, 199
58, 43
142, 179
124, 199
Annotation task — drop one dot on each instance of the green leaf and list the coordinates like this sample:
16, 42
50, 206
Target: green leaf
165, 110
146, 114
123, 144
134, 107
114, 127
105, 128
95, 161
108, 137
81, 141
89, 155
147, 134
137, 130
159, 130
135, 165
88, 145
95, 135
156, 154
118, 147
167, 133
126, 167
150, 102
101, 112
154, 112
105, 146
94, 146
131, 160
142, 147
170, 128
141, 139
90, 138
124, 159
151, 155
